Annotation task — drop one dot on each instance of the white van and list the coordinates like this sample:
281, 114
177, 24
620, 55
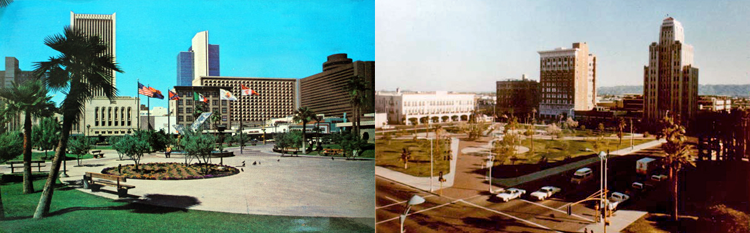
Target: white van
582, 175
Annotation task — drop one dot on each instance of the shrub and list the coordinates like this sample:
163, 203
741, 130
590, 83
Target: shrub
720, 218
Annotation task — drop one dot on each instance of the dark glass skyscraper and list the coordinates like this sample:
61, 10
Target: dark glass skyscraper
184, 68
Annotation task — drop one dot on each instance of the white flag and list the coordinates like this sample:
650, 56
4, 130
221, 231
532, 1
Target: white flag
226, 95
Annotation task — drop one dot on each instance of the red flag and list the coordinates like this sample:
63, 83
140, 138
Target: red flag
173, 96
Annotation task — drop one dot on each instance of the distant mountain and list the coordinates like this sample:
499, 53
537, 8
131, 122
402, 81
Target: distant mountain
708, 89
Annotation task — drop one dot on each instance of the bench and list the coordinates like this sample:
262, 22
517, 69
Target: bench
106, 180
39, 165
328, 152
97, 153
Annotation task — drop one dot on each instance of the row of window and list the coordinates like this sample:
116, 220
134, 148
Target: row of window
106, 116
438, 103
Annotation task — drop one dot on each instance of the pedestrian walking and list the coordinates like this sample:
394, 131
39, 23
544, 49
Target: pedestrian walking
168, 152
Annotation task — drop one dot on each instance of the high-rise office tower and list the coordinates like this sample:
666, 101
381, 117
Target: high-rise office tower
670, 82
201, 59
103, 26
567, 81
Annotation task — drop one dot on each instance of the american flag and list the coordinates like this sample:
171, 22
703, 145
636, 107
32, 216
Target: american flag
143, 90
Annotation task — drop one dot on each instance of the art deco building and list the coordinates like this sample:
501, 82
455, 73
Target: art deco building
201, 59
424, 107
325, 92
519, 98
11, 74
670, 79
278, 97
567, 81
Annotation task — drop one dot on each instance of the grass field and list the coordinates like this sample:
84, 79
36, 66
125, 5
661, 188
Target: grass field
557, 150
388, 155
76, 211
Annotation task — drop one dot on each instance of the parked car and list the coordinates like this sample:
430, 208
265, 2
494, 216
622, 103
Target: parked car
637, 186
582, 175
659, 177
510, 194
545, 192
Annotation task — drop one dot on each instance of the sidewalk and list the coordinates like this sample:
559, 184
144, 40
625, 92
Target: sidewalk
620, 220
423, 183
510, 182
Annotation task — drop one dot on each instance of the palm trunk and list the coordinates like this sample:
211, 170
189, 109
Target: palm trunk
304, 142
675, 199
46, 200
28, 185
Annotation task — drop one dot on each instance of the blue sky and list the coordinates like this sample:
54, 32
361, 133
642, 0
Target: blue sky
469, 45
282, 39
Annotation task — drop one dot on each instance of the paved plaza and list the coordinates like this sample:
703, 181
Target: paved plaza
289, 186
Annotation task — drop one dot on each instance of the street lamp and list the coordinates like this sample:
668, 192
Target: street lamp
415, 200
603, 185
431, 164
490, 163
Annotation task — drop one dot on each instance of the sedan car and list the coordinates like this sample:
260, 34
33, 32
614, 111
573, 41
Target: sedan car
510, 194
545, 192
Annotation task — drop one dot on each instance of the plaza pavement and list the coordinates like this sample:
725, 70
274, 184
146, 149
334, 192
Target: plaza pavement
288, 186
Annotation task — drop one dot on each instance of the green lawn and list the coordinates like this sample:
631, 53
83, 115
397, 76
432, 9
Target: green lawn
555, 150
388, 155
75, 211
39, 155
107, 147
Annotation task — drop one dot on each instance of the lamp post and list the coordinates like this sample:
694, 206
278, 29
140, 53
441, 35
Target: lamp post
603, 186
415, 200
490, 163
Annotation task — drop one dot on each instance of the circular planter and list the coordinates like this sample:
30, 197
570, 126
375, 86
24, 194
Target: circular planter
171, 171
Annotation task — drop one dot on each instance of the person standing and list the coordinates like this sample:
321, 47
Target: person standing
168, 152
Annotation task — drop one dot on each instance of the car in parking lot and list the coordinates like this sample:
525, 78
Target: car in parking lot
616, 199
638, 186
510, 194
545, 192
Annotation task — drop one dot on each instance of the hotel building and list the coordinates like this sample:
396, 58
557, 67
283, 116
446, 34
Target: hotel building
567, 81
519, 98
325, 92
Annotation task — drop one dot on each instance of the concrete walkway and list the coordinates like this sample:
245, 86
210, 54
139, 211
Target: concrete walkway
510, 182
289, 186
423, 183
620, 220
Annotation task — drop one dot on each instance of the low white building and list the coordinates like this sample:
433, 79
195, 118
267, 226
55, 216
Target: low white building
103, 117
424, 107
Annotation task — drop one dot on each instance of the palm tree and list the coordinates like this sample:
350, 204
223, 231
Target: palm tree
32, 100
304, 115
318, 119
4, 3
82, 68
620, 125
357, 88
678, 155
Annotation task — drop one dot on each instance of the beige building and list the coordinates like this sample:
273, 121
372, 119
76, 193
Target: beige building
325, 92
567, 81
278, 97
670, 81
424, 107
185, 107
103, 26
103, 117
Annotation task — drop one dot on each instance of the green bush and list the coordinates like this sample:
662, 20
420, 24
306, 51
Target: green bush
720, 218
11, 145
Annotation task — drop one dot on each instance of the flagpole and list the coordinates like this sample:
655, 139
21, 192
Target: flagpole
148, 113
242, 143
138, 108
169, 114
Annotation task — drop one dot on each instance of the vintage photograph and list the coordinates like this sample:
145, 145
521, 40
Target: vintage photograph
562, 116
187, 116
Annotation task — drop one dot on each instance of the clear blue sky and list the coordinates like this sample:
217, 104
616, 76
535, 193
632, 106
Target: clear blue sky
469, 45
282, 39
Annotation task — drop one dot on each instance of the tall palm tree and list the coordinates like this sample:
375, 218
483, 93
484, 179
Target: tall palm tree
304, 115
32, 100
678, 156
358, 87
82, 68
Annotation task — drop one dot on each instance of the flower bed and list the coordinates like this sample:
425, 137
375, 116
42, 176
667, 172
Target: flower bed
170, 171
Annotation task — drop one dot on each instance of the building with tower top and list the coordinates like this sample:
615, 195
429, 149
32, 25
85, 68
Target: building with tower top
670, 80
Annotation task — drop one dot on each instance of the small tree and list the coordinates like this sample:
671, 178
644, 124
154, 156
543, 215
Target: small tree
46, 134
79, 146
113, 142
229, 139
600, 144
11, 145
200, 146
405, 156
134, 146
620, 126
571, 124
601, 128
553, 130
387, 138
352, 142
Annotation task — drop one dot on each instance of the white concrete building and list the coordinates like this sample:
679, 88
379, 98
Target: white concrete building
424, 107
200, 59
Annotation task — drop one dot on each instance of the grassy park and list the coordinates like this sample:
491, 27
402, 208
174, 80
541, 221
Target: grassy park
76, 211
388, 155
558, 150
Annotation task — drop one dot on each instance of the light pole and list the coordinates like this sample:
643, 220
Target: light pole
603, 194
415, 200
490, 163
631, 134
426, 134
